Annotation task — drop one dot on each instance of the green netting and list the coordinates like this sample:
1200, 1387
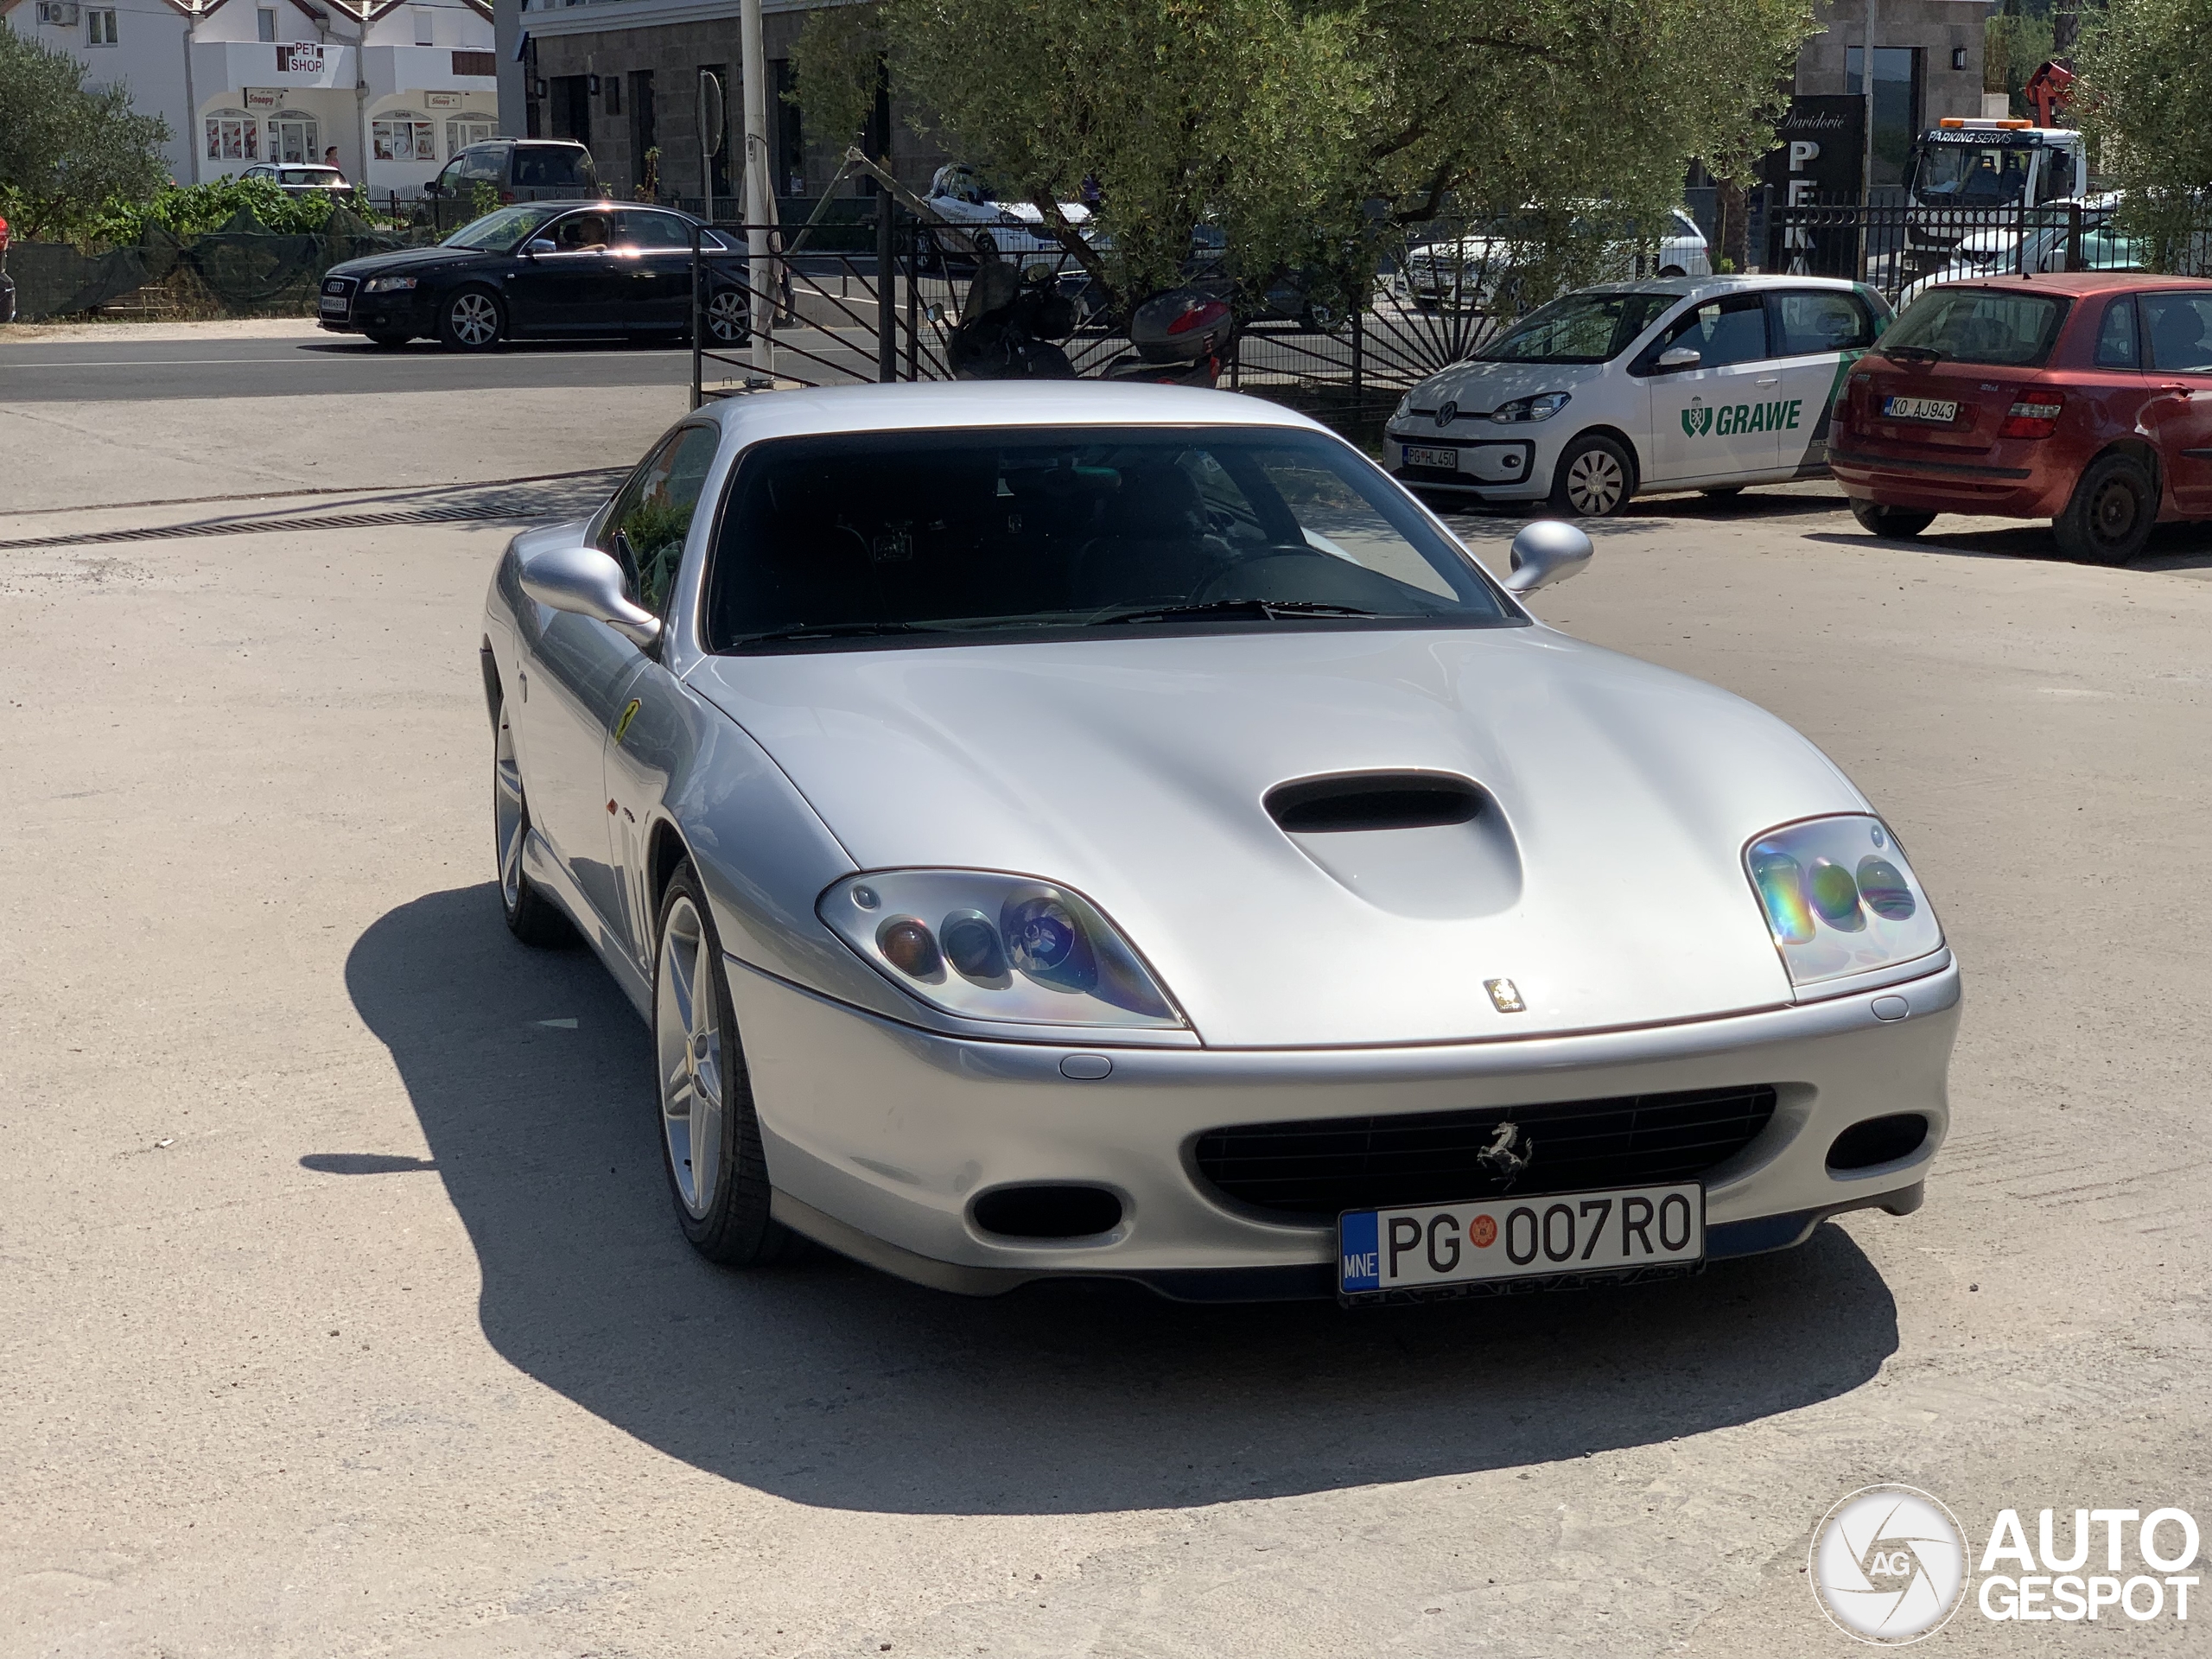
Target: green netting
244, 266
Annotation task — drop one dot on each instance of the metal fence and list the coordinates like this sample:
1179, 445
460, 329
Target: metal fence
1899, 247
824, 310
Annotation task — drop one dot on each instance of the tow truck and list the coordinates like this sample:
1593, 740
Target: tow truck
1970, 177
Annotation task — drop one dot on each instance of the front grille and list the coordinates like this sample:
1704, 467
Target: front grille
338, 296
1315, 1169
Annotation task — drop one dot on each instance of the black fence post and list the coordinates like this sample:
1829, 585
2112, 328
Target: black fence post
2072, 235
1358, 349
698, 323
915, 303
887, 292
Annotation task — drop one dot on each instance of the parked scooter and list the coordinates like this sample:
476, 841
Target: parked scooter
1011, 325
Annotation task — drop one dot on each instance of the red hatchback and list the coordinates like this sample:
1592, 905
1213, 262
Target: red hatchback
2083, 398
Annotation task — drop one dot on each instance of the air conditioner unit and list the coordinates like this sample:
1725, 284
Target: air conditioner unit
60, 13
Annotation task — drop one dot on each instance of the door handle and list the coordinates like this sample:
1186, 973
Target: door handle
1771, 380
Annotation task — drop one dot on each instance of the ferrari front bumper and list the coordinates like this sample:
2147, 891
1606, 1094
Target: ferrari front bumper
879, 1137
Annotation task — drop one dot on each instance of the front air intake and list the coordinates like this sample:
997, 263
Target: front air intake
1048, 1211
1373, 800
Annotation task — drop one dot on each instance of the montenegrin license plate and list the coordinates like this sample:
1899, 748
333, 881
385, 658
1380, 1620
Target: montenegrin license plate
333, 302
1920, 408
1447, 458
1427, 1249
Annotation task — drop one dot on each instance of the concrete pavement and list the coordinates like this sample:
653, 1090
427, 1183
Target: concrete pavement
344, 1313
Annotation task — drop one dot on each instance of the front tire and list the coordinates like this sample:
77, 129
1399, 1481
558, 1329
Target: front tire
1595, 477
710, 1136
531, 917
2111, 513
729, 319
472, 319
1901, 524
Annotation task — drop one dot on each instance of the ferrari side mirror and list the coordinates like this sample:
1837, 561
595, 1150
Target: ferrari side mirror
1544, 552
586, 583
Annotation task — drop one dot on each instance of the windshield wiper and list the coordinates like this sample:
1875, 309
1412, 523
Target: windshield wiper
828, 631
1914, 353
1259, 610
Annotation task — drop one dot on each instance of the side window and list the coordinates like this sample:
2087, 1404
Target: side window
634, 228
2057, 183
2178, 328
645, 529
2116, 337
484, 164
1819, 322
1720, 331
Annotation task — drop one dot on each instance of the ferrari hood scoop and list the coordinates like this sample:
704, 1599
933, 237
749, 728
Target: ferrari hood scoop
1375, 800
1413, 843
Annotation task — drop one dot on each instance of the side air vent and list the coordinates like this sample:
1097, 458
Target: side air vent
1375, 800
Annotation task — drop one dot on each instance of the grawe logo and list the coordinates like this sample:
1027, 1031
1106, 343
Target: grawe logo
1888, 1565
1726, 420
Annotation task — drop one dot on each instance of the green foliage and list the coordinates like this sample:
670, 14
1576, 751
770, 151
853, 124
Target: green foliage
1309, 130
2146, 97
2012, 47
835, 69
195, 209
66, 151
484, 196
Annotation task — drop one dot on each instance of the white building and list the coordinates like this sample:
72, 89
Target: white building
395, 86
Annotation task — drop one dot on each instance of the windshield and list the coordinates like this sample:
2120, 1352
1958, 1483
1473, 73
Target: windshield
506, 230
920, 538
1971, 176
1580, 328
1977, 325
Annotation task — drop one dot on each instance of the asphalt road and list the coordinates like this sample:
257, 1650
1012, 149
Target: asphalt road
343, 1311
67, 371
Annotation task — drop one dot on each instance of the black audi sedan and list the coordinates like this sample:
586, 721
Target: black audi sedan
544, 270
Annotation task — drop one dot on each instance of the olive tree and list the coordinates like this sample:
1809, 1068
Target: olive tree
1311, 132
68, 151
2145, 96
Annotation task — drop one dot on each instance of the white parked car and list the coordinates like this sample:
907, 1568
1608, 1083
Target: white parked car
2001, 253
986, 226
1474, 272
1689, 383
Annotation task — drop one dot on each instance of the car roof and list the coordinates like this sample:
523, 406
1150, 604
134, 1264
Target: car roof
1704, 286
954, 404
2083, 282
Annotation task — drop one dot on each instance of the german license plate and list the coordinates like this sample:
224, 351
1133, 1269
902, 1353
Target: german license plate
1447, 458
1920, 408
1428, 1248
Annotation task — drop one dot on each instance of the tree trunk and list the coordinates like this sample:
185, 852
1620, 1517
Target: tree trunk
1733, 212
2065, 27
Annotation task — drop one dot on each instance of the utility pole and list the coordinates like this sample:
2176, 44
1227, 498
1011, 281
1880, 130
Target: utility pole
1866, 85
759, 191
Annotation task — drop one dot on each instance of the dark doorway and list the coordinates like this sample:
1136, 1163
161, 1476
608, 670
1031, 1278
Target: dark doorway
572, 107
642, 137
789, 135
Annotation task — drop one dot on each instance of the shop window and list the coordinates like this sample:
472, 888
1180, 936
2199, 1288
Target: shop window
464, 130
234, 136
403, 135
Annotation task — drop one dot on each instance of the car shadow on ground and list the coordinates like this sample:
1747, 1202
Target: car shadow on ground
2171, 547
354, 345
829, 1384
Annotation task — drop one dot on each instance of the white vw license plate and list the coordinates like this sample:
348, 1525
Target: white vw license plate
1433, 1246
1447, 458
1920, 408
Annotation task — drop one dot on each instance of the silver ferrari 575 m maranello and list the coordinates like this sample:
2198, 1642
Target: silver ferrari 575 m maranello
1115, 830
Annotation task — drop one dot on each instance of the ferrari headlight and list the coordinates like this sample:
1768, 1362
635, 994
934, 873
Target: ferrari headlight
1840, 898
386, 284
1541, 407
989, 946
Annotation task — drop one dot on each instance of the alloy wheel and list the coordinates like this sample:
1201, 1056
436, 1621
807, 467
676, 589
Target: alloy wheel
475, 320
726, 318
688, 1044
508, 817
1594, 483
